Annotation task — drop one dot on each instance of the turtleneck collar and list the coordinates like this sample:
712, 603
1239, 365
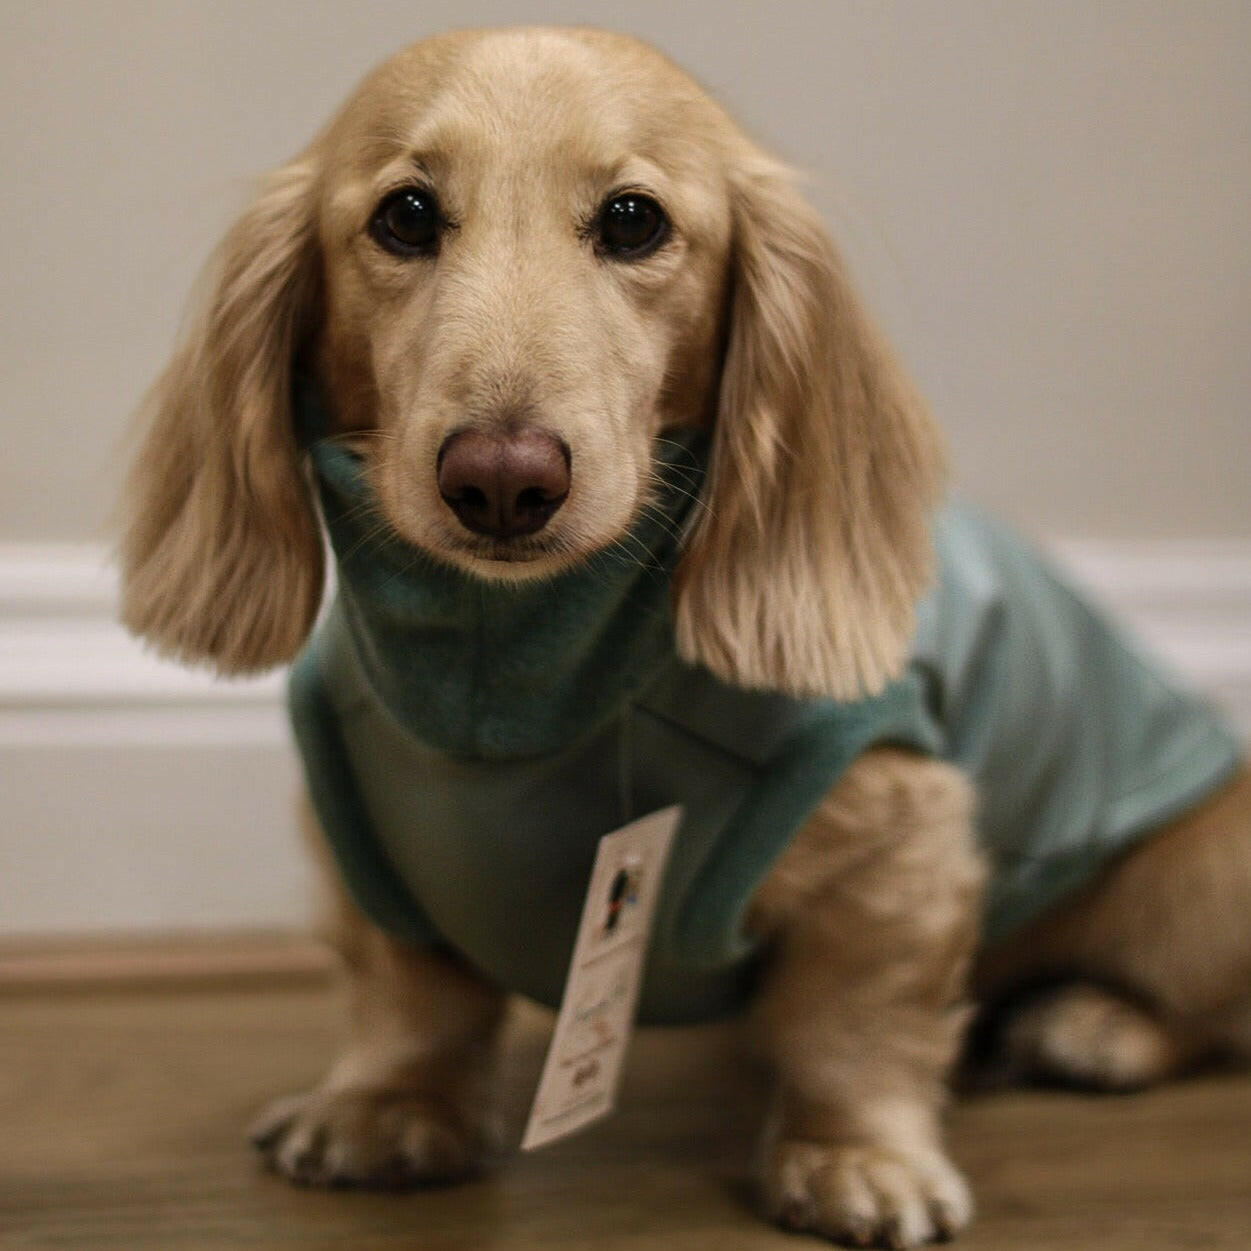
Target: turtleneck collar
494, 670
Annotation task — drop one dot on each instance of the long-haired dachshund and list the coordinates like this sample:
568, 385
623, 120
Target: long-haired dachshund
631, 506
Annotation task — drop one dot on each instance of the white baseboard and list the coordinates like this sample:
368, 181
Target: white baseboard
138, 795
134, 794
1188, 601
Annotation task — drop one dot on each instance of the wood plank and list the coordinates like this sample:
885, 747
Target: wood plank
122, 1116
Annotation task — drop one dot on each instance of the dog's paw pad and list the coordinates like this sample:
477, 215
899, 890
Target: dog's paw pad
864, 1196
365, 1138
1083, 1036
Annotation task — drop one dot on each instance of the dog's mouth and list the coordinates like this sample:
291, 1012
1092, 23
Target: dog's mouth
506, 551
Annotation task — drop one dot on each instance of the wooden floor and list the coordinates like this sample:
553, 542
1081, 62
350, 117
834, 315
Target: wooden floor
121, 1116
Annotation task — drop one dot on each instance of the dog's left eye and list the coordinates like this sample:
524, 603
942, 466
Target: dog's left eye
630, 227
408, 222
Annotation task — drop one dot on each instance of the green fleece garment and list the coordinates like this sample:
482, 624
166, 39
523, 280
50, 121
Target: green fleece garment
466, 744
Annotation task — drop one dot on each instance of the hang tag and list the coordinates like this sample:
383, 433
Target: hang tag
587, 1052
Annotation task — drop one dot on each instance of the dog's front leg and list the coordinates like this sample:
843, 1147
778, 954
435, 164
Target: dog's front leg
871, 916
409, 1100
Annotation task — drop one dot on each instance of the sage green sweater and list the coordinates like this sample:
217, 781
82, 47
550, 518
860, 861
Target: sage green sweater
467, 744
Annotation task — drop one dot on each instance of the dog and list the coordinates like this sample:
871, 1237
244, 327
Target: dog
598, 424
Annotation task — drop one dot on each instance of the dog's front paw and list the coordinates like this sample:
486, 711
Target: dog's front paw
864, 1196
370, 1138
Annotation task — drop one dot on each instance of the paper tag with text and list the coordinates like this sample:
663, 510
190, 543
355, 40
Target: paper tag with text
585, 1058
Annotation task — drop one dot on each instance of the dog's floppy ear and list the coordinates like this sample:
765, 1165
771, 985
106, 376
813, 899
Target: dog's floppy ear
803, 571
221, 554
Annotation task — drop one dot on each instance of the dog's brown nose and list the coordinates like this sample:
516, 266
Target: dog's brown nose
503, 485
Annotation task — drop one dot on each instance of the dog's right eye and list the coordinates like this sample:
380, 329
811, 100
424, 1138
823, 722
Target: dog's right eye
408, 222
630, 227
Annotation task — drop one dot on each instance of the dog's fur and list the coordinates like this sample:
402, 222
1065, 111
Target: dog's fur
801, 574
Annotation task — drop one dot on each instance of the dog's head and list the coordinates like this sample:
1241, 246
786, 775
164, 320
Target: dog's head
512, 260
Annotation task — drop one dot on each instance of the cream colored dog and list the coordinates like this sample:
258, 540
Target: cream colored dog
708, 296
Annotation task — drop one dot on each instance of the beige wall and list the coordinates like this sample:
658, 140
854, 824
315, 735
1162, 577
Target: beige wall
1047, 204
